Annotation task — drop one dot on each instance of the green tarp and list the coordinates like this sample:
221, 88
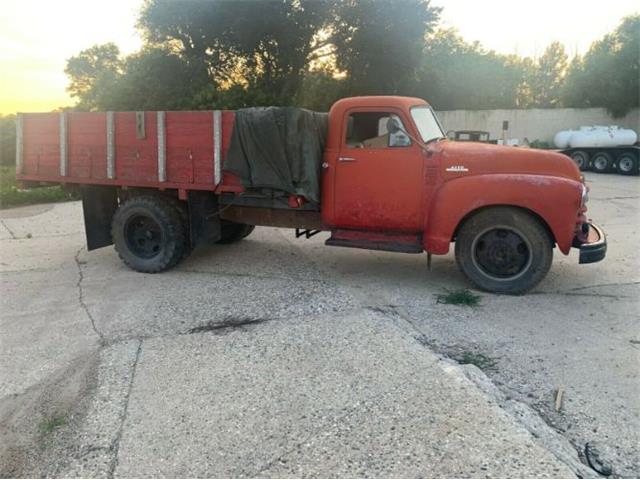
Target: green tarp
278, 148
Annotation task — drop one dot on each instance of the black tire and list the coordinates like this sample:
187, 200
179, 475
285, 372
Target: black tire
628, 164
232, 232
581, 159
504, 250
601, 162
149, 233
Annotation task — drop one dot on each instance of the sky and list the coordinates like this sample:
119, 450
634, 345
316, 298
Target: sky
38, 36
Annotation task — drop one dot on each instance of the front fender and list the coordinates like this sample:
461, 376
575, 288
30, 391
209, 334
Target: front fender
554, 199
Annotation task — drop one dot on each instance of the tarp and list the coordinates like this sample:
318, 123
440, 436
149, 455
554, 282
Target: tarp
278, 148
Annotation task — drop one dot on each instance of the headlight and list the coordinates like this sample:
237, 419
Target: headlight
585, 195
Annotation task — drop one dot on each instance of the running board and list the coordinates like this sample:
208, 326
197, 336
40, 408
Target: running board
376, 241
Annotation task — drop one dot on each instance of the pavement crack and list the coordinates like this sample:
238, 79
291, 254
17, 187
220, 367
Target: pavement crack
115, 446
81, 300
230, 323
586, 287
13, 235
578, 294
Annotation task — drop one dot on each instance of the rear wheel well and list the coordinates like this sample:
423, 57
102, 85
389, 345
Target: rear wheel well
488, 207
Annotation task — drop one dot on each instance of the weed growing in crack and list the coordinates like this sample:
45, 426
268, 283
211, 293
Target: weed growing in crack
481, 361
460, 297
50, 424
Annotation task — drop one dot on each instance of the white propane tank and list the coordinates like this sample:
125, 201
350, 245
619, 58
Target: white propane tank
561, 139
601, 136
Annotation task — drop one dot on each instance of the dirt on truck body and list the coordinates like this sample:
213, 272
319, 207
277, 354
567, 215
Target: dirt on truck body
156, 184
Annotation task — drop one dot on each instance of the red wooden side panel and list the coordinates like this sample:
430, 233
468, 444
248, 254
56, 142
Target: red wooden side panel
41, 144
136, 158
188, 158
190, 154
87, 140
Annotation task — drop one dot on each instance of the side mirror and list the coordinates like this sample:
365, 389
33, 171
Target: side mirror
393, 126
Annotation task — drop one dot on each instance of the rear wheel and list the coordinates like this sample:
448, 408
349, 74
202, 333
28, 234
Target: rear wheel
628, 164
581, 158
504, 250
232, 232
602, 162
149, 233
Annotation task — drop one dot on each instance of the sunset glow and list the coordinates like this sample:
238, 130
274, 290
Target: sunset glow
37, 37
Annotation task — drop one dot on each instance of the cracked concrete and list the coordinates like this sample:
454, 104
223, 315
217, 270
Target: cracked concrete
279, 357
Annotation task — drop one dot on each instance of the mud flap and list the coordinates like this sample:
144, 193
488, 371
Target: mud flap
204, 218
98, 205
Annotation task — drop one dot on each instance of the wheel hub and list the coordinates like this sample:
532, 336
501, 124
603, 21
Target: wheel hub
625, 164
143, 236
502, 253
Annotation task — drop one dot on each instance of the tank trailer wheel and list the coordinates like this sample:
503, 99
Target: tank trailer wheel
149, 233
504, 250
232, 232
627, 164
602, 162
581, 159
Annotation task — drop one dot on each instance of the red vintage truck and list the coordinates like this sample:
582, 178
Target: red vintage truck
156, 184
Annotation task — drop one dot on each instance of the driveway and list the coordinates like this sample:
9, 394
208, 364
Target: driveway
279, 357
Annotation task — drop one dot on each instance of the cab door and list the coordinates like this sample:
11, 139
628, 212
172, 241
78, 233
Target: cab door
378, 181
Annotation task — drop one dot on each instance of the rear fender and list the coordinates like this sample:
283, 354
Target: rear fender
556, 200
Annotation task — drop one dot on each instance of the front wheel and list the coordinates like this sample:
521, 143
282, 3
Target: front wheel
504, 250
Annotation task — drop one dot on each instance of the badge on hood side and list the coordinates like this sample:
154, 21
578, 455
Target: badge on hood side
457, 168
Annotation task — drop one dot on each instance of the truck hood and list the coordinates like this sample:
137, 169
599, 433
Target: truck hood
470, 158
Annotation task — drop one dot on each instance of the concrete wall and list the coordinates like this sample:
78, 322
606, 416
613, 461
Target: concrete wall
535, 123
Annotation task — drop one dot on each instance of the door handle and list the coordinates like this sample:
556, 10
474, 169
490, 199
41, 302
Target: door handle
346, 159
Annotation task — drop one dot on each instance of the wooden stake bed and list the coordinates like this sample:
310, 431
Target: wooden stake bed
180, 150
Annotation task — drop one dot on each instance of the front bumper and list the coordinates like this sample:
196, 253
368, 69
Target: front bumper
594, 248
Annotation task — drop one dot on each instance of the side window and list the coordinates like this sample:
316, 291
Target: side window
369, 130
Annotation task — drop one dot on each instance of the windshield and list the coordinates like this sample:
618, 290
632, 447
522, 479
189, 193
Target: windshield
427, 123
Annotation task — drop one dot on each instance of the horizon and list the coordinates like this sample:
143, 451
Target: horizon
33, 77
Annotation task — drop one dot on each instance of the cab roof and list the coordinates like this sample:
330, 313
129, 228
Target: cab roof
382, 101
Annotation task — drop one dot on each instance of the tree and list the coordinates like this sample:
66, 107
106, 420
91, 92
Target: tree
379, 43
152, 79
7, 140
91, 72
266, 45
609, 73
458, 75
547, 76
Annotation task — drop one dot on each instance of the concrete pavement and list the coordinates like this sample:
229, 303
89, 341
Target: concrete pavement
276, 357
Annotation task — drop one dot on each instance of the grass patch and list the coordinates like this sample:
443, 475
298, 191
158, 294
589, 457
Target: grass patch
478, 359
49, 425
12, 196
460, 297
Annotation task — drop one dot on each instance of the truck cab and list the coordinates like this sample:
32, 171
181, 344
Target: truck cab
413, 190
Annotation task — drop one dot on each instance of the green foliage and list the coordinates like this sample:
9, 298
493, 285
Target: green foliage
455, 74
7, 140
233, 54
460, 297
92, 72
379, 44
483, 362
609, 73
50, 424
545, 78
11, 195
267, 45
